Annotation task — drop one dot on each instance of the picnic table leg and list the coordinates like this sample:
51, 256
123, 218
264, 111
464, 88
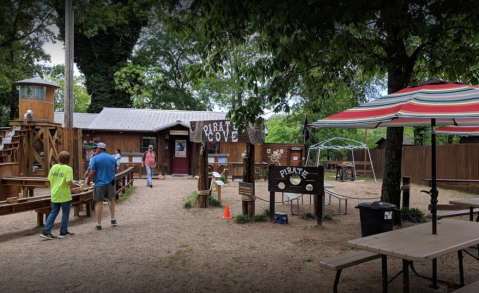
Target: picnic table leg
384, 262
461, 268
434, 274
405, 276
471, 214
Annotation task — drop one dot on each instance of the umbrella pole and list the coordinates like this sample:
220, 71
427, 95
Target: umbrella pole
433, 192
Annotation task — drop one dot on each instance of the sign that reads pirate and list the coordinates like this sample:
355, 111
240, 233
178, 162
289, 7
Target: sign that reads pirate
217, 131
296, 179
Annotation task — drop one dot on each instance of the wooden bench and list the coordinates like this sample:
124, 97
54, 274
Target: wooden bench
471, 288
344, 261
452, 210
341, 198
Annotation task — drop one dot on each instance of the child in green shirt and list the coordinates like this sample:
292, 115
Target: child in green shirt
61, 181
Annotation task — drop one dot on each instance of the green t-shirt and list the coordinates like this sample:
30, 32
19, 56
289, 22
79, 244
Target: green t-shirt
59, 176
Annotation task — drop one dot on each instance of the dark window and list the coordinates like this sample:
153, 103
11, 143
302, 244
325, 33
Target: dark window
146, 141
213, 147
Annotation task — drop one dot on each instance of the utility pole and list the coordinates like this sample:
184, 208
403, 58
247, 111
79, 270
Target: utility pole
68, 98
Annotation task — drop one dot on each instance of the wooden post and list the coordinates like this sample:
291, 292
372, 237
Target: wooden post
203, 178
248, 207
406, 187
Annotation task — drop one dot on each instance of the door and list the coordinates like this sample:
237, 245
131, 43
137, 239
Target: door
180, 157
295, 158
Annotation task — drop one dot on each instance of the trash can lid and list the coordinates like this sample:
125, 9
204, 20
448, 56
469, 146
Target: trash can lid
377, 205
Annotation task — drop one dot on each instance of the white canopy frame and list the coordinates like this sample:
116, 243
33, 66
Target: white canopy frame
347, 144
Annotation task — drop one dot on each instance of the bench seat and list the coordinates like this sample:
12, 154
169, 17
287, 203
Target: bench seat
344, 261
471, 288
456, 213
341, 198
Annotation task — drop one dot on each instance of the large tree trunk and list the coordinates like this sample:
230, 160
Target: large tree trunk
400, 68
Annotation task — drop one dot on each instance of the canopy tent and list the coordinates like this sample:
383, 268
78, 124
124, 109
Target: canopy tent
342, 144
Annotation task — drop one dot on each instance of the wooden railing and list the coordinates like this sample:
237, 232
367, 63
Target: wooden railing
41, 204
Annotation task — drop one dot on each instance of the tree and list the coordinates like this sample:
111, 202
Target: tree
81, 99
105, 34
158, 75
405, 39
23, 31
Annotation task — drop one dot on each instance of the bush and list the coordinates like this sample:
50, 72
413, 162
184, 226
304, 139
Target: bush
260, 218
214, 202
308, 216
327, 217
241, 219
413, 215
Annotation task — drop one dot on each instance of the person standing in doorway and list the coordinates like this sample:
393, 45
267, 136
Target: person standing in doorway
149, 161
61, 182
103, 170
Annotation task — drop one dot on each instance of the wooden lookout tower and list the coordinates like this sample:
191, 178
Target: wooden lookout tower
36, 127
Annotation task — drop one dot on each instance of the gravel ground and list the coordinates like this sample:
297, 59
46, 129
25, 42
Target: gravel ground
159, 246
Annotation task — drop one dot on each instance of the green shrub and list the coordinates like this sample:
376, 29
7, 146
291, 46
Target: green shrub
308, 216
266, 212
214, 202
327, 217
413, 215
260, 218
241, 219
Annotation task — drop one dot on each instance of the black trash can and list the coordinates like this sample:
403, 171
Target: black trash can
376, 217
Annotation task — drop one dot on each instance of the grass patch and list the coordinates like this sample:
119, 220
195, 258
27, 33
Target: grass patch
191, 201
327, 217
179, 257
213, 202
260, 218
123, 196
308, 216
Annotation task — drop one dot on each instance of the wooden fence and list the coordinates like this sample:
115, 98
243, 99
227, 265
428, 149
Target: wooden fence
459, 161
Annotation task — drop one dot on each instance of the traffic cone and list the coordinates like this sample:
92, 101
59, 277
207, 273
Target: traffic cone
227, 215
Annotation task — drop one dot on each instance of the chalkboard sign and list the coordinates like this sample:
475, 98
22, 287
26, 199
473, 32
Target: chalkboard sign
246, 188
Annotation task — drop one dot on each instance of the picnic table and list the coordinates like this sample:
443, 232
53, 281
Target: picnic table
471, 202
455, 182
28, 184
418, 244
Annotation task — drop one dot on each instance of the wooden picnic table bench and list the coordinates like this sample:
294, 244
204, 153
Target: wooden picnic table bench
338, 263
454, 210
28, 184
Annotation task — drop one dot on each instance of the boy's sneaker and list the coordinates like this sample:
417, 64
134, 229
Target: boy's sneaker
67, 234
98, 227
47, 236
113, 222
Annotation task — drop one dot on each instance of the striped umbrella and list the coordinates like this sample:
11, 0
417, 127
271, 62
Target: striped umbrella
459, 130
434, 102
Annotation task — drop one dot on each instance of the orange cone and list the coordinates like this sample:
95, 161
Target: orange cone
227, 215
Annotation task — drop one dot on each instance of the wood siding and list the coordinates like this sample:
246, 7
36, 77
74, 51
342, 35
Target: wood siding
43, 110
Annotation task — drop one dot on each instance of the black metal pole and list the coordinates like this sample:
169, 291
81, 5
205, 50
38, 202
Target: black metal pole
434, 193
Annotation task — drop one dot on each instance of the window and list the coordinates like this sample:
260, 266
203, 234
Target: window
146, 141
213, 147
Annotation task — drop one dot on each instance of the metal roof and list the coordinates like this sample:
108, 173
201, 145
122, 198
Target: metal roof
80, 120
125, 119
35, 81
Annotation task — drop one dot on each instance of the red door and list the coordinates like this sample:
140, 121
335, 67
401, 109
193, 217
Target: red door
295, 158
180, 157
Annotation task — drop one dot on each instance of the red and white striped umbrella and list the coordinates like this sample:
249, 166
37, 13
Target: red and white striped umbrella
432, 103
448, 103
459, 130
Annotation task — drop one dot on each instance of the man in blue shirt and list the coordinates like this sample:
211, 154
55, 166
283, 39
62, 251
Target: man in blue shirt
103, 169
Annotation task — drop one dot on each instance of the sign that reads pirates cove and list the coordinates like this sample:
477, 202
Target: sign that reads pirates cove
218, 131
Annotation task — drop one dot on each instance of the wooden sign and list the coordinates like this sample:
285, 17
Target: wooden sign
295, 179
246, 188
217, 131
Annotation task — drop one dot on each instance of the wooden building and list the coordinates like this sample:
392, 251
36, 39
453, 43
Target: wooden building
133, 130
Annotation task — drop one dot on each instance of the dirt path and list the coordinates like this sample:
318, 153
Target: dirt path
158, 246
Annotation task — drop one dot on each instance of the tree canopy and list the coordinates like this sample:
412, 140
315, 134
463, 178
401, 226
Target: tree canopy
407, 40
